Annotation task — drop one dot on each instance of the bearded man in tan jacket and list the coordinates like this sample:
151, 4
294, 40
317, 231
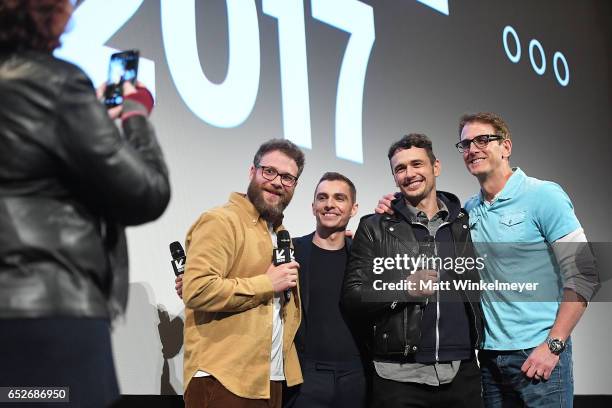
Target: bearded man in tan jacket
239, 324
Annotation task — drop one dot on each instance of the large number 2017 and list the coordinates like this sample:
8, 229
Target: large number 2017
229, 103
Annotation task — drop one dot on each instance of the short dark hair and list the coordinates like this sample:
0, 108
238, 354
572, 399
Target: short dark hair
29, 24
493, 119
286, 147
333, 176
413, 140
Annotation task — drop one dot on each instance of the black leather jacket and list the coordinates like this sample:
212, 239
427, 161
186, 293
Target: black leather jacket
396, 325
69, 182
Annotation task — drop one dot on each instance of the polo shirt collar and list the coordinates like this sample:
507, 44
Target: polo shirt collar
512, 187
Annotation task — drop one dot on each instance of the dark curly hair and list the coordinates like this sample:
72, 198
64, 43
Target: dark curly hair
413, 140
29, 24
284, 146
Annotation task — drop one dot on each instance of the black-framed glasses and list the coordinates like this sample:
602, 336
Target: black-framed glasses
481, 141
270, 173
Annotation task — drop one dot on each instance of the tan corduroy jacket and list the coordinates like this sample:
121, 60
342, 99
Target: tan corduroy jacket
228, 302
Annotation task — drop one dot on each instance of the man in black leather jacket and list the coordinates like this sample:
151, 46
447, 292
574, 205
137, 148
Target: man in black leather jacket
423, 339
69, 183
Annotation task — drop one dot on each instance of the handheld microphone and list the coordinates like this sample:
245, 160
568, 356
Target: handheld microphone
427, 247
178, 258
283, 254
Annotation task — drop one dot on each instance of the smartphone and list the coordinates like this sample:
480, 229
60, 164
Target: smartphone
123, 67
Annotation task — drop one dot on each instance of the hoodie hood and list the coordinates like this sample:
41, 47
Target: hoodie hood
450, 200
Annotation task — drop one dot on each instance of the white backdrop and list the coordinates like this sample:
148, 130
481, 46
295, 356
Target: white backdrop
345, 79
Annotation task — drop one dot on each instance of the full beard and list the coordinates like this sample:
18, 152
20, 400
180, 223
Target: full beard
272, 213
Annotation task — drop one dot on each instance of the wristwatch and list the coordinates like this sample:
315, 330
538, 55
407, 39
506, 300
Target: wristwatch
556, 346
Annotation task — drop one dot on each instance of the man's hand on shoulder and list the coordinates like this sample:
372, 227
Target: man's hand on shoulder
384, 204
283, 276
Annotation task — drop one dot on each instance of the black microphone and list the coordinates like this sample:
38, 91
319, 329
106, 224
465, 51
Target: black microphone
178, 258
427, 247
283, 254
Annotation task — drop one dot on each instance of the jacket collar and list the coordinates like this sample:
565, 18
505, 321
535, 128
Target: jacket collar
248, 212
452, 203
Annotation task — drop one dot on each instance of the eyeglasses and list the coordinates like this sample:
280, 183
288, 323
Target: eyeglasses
481, 141
270, 173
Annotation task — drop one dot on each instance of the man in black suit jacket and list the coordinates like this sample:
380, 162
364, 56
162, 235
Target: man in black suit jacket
330, 357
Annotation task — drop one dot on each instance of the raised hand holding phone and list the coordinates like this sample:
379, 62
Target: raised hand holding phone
116, 111
122, 69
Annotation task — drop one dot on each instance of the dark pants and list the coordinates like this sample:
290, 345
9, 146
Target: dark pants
330, 385
463, 391
208, 392
59, 352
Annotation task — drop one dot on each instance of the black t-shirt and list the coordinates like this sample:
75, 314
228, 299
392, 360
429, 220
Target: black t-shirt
328, 337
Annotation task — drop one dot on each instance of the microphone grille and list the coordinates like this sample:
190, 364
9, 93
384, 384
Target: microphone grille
176, 249
283, 240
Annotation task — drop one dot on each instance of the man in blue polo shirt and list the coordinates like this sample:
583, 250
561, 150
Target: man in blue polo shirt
528, 232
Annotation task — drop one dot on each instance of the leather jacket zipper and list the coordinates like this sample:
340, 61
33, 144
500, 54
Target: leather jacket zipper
426, 301
438, 296
406, 345
478, 334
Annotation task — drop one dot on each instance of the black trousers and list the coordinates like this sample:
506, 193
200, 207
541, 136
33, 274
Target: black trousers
463, 392
59, 352
329, 385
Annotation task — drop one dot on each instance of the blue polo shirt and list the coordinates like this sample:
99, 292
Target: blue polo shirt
513, 235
